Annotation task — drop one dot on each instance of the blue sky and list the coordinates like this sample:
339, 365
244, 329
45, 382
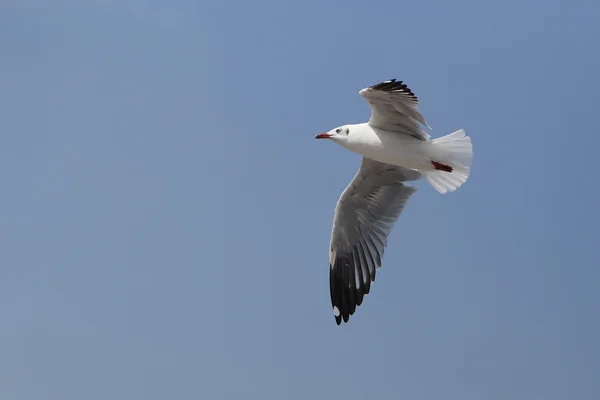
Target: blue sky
166, 212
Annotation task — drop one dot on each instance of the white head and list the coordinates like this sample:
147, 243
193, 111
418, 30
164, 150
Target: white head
339, 134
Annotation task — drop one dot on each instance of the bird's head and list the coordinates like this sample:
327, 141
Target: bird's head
338, 134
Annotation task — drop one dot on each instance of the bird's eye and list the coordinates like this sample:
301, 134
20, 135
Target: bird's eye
338, 130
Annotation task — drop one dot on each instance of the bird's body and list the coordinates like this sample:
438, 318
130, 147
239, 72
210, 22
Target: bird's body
391, 148
395, 150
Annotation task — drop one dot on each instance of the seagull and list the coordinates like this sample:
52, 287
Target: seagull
395, 150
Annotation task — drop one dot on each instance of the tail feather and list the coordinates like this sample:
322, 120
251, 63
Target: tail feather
456, 154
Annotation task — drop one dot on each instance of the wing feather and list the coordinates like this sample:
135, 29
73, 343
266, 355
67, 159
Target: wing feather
364, 216
395, 108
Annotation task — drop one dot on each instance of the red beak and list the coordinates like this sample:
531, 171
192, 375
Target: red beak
323, 136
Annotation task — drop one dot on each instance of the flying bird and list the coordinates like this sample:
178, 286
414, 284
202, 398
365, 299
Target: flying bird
395, 150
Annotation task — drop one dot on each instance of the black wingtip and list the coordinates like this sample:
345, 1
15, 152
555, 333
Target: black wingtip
345, 296
395, 86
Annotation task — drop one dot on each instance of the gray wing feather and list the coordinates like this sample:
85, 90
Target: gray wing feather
363, 219
395, 108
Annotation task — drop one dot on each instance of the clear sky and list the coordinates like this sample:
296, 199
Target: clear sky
165, 211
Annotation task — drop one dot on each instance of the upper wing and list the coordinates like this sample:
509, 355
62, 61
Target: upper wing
394, 107
364, 216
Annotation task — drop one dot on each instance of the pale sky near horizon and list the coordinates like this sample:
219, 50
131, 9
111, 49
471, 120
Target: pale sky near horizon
166, 211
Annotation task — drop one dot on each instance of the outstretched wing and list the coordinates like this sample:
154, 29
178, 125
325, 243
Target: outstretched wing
363, 219
395, 108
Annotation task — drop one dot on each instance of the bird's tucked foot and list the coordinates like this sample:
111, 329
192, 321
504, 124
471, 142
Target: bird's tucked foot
441, 167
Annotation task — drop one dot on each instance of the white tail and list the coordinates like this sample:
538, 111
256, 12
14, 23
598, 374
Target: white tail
456, 151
